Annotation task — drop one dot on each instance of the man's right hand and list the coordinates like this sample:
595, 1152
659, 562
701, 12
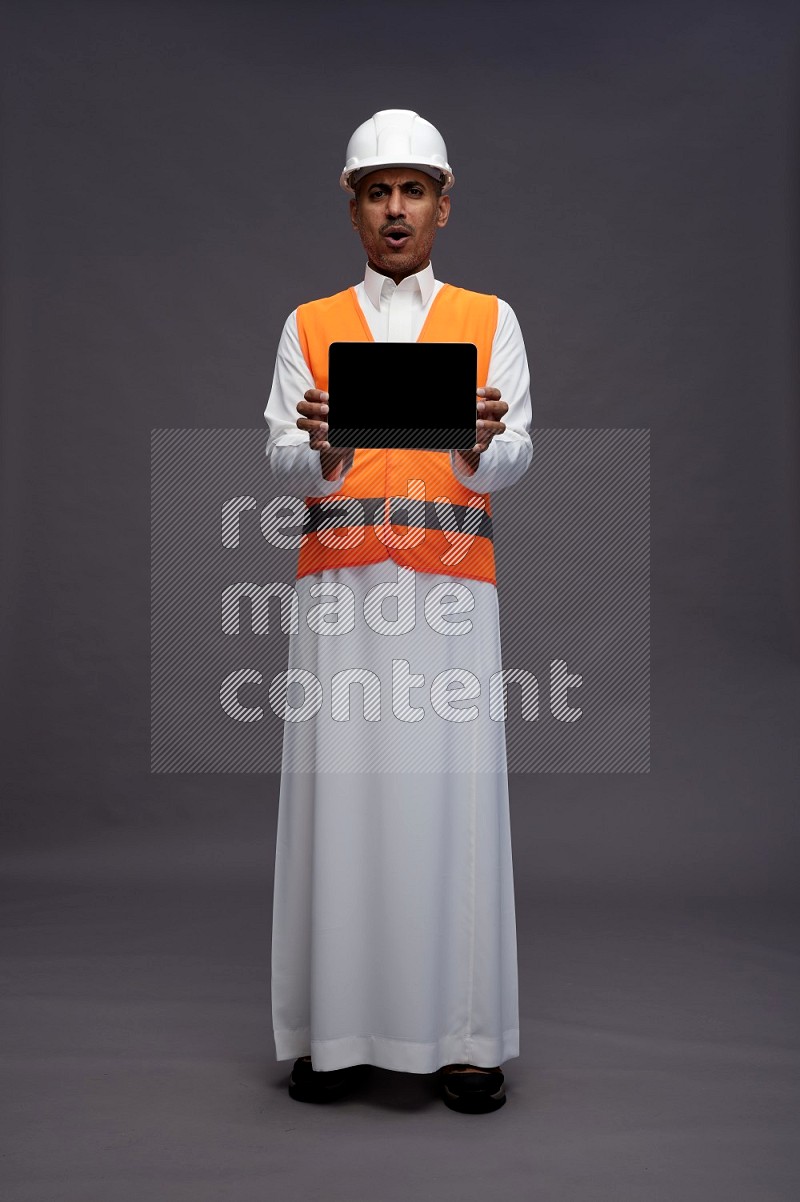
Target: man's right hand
314, 410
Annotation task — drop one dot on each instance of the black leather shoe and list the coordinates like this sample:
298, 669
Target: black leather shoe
475, 1091
308, 1085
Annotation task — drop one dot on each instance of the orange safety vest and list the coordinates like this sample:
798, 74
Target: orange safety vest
372, 525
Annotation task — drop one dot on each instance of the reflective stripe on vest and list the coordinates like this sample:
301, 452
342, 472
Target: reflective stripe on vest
405, 505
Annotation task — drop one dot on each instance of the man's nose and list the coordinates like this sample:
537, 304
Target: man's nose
396, 203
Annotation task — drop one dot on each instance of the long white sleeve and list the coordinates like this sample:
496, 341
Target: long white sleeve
509, 454
295, 468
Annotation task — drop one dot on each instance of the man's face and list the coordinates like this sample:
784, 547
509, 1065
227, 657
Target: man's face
397, 212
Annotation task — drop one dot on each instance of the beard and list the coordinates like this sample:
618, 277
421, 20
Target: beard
406, 259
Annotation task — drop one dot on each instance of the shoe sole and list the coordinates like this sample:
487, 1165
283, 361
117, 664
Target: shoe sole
474, 1102
301, 1094
323, 1093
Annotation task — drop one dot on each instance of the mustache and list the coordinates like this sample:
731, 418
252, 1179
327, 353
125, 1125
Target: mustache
396, 225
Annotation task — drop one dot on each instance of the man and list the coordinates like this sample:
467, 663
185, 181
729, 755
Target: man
394, 939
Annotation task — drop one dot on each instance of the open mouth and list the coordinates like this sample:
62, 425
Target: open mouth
398, 236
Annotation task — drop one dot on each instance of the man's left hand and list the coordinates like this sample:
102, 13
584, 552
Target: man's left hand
490, 410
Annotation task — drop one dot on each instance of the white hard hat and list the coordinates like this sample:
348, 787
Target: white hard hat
396, 138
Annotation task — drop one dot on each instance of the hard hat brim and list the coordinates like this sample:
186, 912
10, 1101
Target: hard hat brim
351, 176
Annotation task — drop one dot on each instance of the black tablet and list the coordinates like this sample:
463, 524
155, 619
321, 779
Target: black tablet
415, 395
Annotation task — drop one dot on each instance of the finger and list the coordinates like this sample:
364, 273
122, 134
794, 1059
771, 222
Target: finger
486, 431
490, 394
315, 394
317, 432
492, 409
311, 408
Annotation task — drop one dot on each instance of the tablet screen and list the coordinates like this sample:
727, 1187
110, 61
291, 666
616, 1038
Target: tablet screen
414, 395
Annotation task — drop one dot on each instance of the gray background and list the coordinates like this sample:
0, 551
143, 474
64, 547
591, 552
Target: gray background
626, 179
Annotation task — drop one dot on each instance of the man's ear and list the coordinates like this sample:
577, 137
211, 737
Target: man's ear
444, 211
353, 208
